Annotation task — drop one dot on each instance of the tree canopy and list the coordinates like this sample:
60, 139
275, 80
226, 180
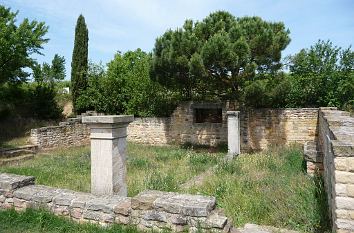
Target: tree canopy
322, 75
18, 42
79, 63
126, 87
214, 57
50, 74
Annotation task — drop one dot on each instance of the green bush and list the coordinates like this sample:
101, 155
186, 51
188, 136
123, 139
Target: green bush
126, 88
28, 100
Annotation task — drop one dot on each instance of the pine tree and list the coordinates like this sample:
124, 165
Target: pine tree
79, 63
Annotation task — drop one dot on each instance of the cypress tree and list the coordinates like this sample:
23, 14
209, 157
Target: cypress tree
79, 62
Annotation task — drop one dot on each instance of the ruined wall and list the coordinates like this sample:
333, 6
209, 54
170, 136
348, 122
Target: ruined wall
149, 130
336, 143
260, 128
183, 128
149, 210
68, 133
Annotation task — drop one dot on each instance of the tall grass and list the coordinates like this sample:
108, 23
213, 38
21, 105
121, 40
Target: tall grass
149, 167
269, 188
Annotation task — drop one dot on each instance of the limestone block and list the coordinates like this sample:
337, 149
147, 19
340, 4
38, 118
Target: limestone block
154, 215
340, 164
76, 213
345, 203
343, 149
81, 200
344, 177
61, 210
340, 213
177, 219
191, 205
91, 215
350, 190
123, 207
11, 181
341, 189
106, 204
145, 200
345, 224
350, 162
120, 219
64, 198
216, 220
45, 194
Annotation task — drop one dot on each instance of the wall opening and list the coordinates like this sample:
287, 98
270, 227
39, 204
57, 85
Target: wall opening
207, 115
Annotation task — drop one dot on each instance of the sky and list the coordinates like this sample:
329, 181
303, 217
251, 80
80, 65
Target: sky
122, 25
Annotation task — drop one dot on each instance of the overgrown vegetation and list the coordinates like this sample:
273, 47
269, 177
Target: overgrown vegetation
34, 221
126, 88
267, 188
149, 167
18, 42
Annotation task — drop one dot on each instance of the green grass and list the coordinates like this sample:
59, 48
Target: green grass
149, 167
269, 188
14, 142
35, 221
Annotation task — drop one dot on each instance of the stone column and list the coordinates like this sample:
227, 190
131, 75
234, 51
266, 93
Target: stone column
108, 153
233, 133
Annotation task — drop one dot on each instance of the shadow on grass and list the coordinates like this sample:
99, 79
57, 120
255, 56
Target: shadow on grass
322, 202
220, 148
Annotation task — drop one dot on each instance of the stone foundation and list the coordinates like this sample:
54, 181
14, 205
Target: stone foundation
149, 210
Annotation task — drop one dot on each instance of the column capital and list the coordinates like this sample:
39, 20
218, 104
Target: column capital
108, 119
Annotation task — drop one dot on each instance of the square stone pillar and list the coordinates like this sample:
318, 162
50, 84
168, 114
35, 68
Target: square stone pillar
233, 133
108, 153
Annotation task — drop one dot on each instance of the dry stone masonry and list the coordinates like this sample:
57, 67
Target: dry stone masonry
68, 133
260, 128
148, 210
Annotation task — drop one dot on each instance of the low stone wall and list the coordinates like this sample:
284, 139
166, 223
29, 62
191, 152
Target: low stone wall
260, 128
336, 143
149, 210
69, 133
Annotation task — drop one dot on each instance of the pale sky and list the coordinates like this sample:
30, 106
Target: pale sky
122, 25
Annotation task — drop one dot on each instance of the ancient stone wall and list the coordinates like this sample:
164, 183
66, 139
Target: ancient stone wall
149, 210
69, 133
150, 130
260, 128
336, 143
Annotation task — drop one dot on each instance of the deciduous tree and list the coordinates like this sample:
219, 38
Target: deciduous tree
17, 43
